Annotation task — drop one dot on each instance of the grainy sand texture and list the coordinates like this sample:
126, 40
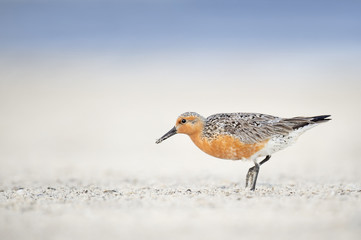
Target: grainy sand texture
199, 208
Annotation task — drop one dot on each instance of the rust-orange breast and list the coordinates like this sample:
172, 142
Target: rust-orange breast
227, 147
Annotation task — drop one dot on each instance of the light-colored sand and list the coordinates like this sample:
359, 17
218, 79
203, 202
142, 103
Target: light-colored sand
174, 208
78, 158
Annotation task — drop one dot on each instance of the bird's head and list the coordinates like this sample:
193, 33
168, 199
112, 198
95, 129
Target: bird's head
187, 123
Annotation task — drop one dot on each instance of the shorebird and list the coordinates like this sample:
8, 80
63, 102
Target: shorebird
243, 136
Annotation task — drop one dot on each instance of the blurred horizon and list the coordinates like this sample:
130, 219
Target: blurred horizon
227, 37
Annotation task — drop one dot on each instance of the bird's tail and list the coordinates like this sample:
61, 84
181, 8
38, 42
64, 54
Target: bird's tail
299, 122
320, 119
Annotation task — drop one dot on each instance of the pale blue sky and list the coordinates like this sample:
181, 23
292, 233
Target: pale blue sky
171, 24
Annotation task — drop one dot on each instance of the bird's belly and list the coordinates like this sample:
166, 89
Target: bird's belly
228, 147
280, 142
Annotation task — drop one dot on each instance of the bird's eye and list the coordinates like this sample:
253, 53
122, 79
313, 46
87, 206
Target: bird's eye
183, 121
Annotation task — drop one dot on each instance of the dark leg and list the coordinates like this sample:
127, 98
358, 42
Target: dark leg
252, 174
265, 160
251, 177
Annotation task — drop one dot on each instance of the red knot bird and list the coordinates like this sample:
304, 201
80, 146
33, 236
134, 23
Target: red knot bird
243, 136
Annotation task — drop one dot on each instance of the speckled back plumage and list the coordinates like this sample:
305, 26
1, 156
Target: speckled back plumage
252, 127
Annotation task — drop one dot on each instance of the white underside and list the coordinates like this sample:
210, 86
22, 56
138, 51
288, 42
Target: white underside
280, 142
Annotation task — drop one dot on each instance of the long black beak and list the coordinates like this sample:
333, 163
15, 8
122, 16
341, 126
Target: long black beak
167, 135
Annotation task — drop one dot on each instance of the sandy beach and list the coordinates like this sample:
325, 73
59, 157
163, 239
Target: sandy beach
82, 163
196, 208
78, 158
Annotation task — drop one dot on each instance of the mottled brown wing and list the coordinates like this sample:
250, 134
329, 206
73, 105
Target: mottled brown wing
251, 127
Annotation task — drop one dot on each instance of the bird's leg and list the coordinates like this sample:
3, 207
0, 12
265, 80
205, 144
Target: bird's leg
252, 174
251, 177
265, 160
